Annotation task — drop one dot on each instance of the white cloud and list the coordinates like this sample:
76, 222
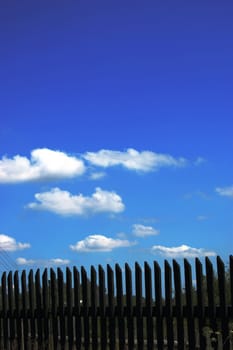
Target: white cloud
49, 262
23, 261
144, 231
59, 261
132, 159
97, 176
100, 243
9, 244
225, 191
182, 251
199, 161
64, 203
121, 235
43, 164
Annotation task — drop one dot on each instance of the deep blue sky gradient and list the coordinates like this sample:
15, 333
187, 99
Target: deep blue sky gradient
82, 76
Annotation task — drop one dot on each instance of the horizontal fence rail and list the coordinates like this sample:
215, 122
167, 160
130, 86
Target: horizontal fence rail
144, 307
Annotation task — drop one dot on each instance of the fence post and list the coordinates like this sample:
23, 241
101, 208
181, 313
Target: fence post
120, 307
168, 305
149, 318
54, 307
4, 311
17, 310
111, 308
179, 306
77, 308
158, 306
38, 314
25, 310
102, 303
94, 309
45, 295
85, 303
200, 303
189, 305
211, 302
222, 302
69, 308
11, 308
139, 306
129, 306
31, 289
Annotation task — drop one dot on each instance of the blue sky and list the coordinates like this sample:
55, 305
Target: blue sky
116, 132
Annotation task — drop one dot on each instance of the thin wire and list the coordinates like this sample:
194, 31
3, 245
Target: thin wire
6, 261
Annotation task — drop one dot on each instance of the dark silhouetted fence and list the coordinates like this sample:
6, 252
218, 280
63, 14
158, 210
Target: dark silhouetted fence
140, 308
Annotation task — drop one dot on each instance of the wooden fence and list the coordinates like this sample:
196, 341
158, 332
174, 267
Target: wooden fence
145, 307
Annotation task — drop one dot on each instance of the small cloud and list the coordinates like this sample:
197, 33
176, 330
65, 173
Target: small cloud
64, 203
182, 251
59, 261
23, 261
121, 235
225, 191
199, 161
97, 176
9, 244
100, 243
44, 164
199, 194
49, 262
131, 159
144, 231
202, 218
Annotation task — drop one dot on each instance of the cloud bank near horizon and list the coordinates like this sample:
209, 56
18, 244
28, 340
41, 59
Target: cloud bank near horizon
50, 262
183, 251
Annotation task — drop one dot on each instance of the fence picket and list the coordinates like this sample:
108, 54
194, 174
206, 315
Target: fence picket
178, 305
189, 305
94, 308
200, 303
211, 302
111, 308
120, 307
11, 309
102, 303
231, 284
17, 310
31, 290
139, 306
158, 306
222, 302
129, 306
45, 295
168, 305
25, 310
69, 308
77, 309
149, 318
38, 315
4, 311
54, 308
85, 303
60, 286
